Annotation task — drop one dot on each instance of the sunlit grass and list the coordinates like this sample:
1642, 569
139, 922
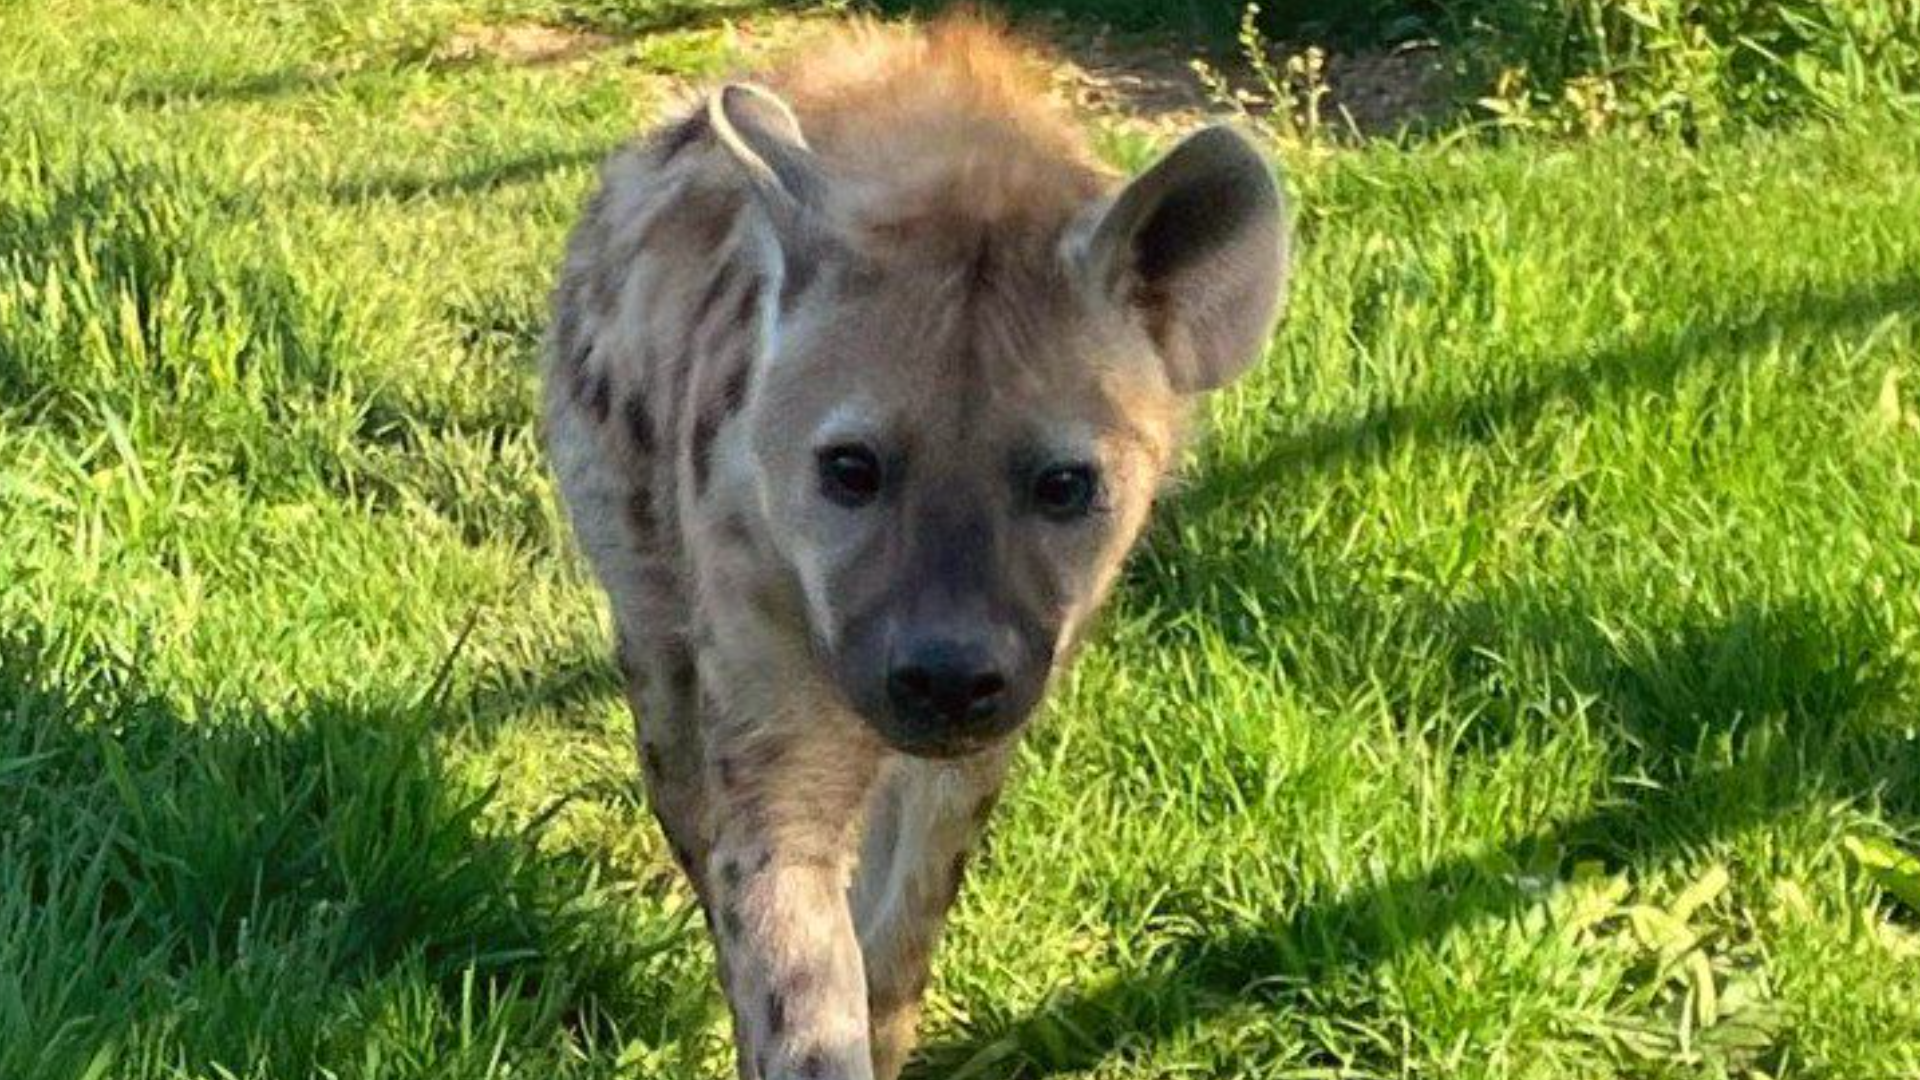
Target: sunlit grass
1495, 698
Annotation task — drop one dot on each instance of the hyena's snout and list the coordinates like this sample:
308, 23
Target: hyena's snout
948, 686
956, 681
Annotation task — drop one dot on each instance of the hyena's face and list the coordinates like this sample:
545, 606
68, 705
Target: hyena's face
956, 440
953, 463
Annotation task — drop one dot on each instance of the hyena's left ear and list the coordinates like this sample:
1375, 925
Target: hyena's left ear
1198, 243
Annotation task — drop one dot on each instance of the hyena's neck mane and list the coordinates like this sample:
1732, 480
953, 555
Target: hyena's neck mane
945, 136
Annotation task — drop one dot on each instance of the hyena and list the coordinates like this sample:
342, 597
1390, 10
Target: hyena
861, 381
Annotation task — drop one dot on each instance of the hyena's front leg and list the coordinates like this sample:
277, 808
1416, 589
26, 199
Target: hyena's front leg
782, 855
924, 820
662, 692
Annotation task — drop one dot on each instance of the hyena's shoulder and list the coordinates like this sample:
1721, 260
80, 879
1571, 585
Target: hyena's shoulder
653, 319
660, 219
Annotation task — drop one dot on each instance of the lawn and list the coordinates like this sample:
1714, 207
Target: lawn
1523, 682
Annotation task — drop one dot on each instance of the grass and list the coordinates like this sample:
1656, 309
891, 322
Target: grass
1504, 694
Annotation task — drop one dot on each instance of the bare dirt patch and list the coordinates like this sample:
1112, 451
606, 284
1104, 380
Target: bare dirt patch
1384, 89
1134, 81
528, 44
1151, 82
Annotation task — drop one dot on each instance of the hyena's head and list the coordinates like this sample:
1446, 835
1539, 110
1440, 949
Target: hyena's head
962, 412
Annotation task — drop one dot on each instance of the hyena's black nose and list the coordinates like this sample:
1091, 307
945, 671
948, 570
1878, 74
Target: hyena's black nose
947, 683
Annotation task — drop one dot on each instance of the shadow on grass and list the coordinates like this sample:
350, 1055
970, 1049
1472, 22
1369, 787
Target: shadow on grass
1730, 724
274, 87
259, 87
251, 883
504, 696
523, 169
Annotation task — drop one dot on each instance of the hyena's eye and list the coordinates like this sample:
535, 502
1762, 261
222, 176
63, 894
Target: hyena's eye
849, 474
1063, 492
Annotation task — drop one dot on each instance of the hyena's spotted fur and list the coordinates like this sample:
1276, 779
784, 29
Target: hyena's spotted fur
898, 262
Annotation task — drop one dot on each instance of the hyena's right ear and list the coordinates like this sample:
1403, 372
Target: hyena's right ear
763, 135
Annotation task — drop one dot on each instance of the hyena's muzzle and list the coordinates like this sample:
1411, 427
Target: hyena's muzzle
943, 655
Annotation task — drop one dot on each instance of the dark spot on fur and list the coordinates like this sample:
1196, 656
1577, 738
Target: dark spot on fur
685, 858
639, 424
597, 395
701, 450
640, 515
884, 1000
730, 922
776, 1014
748, 309
703, 432
681, 671
730, 873
650, 759
728, 770
768, 598
678, 137
815, 860
707, 425
799, 983
980, 268
717, 287
814, 1065
799, 276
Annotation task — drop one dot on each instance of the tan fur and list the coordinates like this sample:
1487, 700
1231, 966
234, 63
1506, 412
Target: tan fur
934, 307
950, 126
